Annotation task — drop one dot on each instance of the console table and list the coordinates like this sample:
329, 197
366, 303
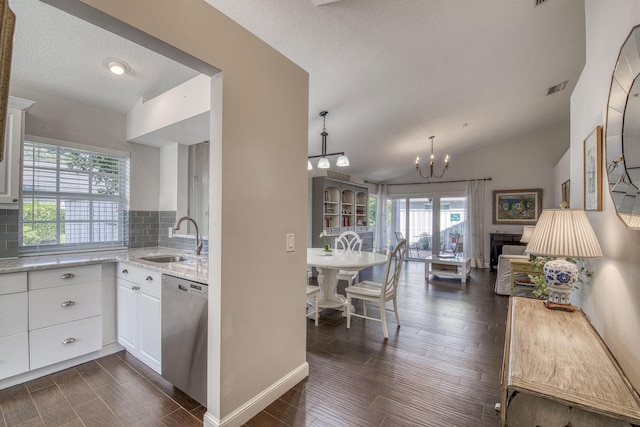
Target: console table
497, 241
557, 371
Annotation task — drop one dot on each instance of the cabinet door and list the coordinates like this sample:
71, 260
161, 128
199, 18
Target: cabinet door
10, 165
149, 327
14, 357
127, 314
13, 314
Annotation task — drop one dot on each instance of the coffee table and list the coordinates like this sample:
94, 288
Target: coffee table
457, 267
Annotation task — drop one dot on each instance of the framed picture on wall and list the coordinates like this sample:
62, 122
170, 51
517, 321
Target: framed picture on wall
593, 170
517, 206
566, 192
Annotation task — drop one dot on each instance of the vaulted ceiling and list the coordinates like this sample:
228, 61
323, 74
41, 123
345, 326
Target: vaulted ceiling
393, 73
390, 73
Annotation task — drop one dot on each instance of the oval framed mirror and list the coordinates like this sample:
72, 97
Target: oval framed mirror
623, 132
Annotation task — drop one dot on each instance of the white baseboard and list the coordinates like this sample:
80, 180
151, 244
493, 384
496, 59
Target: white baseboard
32, 375
263, 399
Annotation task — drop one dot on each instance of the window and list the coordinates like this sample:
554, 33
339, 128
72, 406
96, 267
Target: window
72, 199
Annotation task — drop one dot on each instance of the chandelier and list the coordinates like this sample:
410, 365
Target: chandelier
324, 162
431, 173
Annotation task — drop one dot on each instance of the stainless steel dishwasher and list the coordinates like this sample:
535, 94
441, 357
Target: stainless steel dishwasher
184, 335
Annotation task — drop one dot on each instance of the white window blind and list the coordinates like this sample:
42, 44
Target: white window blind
72, 199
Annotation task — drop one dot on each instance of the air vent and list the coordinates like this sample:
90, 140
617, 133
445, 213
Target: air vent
556, 88
538, 2
323, 2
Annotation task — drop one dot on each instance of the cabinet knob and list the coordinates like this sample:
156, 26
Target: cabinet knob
68, 341
125, 271
135, 288
68, 303
15, 200
68, 276
149, 279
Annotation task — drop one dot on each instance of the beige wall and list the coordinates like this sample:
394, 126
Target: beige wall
612, 298
257, 334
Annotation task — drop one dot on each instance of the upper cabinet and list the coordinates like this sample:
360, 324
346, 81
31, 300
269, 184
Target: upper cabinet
13, 138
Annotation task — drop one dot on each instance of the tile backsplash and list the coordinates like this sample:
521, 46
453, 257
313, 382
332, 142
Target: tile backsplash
151, 228
146, 229
167, 219
8, 233
143, 229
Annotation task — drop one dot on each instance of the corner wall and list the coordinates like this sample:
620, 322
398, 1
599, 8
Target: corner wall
257, 328
612, 297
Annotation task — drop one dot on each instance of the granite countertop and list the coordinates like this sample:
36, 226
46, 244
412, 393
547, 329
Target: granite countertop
195, 269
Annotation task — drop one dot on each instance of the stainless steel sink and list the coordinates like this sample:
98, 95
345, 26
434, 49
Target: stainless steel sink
165, 259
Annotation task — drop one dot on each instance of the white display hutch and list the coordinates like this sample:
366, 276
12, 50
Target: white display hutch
340, 206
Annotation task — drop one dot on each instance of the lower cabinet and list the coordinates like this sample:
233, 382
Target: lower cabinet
65, 341
139, 313
14, 325
65, 314
14, 358
48, 316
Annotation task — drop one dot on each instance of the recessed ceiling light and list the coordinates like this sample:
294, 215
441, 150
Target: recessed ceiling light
117, 66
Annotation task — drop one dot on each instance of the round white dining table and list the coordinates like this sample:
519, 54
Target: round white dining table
328, 267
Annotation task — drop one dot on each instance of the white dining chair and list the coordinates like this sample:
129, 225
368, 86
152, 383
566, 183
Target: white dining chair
313, 294
380, 293
350, 241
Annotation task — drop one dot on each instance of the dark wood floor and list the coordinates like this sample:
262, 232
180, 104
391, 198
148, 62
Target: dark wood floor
440, 368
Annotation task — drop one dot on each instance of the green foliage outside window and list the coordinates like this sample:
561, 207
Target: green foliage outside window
373, 203
34, 230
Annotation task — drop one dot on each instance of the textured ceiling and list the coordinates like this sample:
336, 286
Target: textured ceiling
392, 73
59, 54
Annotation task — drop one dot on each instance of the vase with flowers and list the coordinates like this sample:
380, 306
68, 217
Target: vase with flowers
326, 248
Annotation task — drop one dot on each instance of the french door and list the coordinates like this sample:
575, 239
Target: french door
431, 225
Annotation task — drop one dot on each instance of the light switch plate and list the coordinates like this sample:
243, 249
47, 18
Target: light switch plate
291, 242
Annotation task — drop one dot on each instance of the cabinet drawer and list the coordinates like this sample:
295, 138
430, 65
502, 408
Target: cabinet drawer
11, 283
41, 279
13, 314
47, 345
140, 276
14, 357
51, 306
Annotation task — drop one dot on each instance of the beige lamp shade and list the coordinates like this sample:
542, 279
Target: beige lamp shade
564, 233
527, 232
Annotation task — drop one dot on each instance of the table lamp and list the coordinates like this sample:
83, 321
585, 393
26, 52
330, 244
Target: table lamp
563, 233
527, 232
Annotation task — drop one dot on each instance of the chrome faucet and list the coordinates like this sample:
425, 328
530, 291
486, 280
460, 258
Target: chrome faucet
198, 239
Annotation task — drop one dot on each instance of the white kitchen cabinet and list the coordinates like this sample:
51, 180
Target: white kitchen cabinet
10, 165
14, 342
139, 313
65, 341
65, 313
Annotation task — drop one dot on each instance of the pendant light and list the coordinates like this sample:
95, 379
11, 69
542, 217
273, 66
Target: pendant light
323, 163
